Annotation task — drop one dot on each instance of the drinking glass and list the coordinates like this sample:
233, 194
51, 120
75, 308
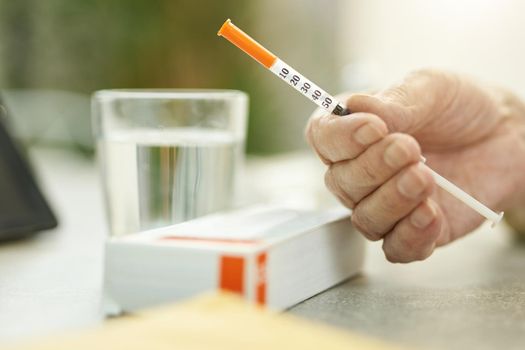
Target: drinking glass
167, 155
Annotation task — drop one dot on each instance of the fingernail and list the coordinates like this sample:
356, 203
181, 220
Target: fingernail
396, 155
422, 217
367, 134
412, 183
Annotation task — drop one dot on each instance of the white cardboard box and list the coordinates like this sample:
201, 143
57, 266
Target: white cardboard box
271, 255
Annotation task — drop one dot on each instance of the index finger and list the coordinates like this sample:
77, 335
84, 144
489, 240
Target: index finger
337, 138
393, 114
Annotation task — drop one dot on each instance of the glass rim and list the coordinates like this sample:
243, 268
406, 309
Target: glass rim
169, 94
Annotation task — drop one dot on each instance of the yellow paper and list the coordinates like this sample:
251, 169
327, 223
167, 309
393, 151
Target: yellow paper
211, 322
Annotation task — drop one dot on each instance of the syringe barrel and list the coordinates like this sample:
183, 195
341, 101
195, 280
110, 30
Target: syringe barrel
307, 87
465, 198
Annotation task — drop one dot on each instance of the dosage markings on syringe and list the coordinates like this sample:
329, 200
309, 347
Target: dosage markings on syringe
303, 85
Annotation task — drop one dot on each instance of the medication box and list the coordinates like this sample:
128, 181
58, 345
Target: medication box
273, 256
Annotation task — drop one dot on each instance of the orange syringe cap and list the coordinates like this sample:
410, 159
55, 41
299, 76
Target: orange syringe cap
244, 42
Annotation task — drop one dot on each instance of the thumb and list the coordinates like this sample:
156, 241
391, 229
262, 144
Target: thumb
398, 117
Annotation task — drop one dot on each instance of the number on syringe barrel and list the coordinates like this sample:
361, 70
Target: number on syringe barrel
306, 86
327, 102
284, 73
295, 79
316, 95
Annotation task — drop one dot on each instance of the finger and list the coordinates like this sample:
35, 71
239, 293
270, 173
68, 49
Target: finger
415, 237
336, 190
396, 116
357, 178
337, 138
412, 103
378, 213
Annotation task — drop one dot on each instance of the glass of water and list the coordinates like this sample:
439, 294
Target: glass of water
167, 155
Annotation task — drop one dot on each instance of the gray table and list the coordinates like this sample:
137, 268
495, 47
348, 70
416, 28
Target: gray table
469, 295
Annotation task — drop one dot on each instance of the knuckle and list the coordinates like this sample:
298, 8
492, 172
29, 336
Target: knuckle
329, 180
324, 138
363, 224
311, 129
395, 256
368, 172
333, 186
316, 126
308, 133
390, 256
323, 132
346, 201
421, 254
390, 253
314, 137
341, 176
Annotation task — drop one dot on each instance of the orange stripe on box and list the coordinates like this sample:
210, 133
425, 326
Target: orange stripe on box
231, 272
260, 287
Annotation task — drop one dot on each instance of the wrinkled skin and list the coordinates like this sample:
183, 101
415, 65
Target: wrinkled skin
471, 134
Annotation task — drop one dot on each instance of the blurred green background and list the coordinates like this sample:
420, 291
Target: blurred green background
55, 53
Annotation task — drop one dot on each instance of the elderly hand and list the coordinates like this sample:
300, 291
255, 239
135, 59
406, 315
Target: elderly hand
470, 134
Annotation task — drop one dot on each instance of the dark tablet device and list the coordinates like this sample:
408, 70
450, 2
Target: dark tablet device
23, 209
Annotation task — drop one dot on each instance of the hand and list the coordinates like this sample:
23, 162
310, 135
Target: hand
472, 135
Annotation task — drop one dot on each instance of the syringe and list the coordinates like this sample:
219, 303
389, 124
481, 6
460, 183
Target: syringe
326, 101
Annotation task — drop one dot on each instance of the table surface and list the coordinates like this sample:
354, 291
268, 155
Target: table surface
469, 295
